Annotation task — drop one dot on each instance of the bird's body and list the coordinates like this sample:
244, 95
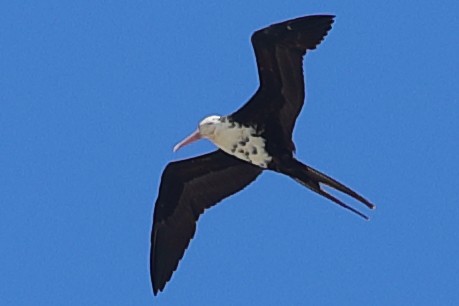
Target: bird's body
255, 138
243, 142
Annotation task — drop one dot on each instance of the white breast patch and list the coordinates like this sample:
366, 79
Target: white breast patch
242, 142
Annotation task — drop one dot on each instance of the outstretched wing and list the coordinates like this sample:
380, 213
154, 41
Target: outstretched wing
279, 50
187, 188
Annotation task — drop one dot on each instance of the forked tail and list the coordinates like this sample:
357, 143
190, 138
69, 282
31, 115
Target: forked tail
314, 180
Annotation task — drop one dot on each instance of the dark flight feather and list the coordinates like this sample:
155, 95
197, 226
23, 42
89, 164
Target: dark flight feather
279, 51
187, 188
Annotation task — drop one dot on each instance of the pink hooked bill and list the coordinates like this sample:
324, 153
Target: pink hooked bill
192, 138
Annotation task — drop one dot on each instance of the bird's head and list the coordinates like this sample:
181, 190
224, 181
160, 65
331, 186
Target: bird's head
208, 125
206, 129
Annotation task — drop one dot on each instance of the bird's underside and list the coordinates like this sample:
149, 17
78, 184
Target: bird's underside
256, 137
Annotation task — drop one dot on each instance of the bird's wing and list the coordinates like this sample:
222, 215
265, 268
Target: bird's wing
279, 50
187, 188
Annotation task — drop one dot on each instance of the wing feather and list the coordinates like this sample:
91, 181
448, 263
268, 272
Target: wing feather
279, 51
187, 188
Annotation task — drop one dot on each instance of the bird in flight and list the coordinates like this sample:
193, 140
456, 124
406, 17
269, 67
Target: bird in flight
256, 137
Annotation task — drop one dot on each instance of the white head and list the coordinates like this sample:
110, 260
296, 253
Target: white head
206, 129
207, 126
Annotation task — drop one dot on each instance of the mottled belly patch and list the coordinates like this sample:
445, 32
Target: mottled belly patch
242, 142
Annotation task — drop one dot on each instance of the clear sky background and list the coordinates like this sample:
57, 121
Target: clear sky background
94, 94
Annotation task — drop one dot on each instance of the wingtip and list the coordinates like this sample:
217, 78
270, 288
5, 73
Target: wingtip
156, 290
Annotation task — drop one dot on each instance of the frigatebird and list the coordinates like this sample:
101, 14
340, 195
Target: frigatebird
255, 138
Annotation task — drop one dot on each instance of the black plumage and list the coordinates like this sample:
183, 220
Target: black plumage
187, 188
190, 186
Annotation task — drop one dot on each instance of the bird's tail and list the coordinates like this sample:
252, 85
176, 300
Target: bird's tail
315, 180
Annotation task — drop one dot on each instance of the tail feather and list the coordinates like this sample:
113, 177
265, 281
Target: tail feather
314, 179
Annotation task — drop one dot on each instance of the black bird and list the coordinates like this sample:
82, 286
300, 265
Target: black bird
256, 137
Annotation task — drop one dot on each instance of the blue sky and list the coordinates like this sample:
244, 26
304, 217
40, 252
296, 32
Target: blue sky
95, 94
